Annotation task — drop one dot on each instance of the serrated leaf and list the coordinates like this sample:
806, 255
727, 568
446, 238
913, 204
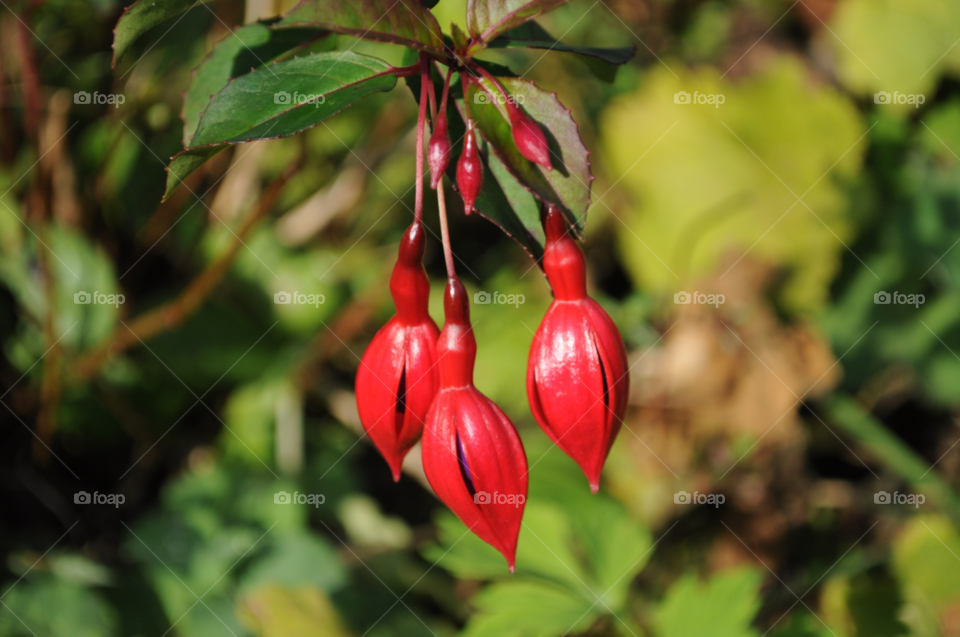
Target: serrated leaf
264, 103
185, 162
533, 36
486, 19
529, 609
404, 22
248, 109
142, 16
238, 53
724, 606
568, 184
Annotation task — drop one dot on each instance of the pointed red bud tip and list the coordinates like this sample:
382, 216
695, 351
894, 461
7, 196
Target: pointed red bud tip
530, 140
398, 377
472, 454
577, 375
469, 170
438, 151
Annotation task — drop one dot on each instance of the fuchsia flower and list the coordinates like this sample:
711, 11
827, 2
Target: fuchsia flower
529, 137
577, 375
438, 150
398, 377
469, 169
472, 454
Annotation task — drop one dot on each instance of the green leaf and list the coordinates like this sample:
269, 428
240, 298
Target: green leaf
533, 36
79, 612
248, 109
247, 48
298, 559
724, 606
568, 184
405, 22
924, 559
895, 45
142, 16
529, 609
185, 162
486, 19
264, 104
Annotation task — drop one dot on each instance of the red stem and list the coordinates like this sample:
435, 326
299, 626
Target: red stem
421, 122
512, 110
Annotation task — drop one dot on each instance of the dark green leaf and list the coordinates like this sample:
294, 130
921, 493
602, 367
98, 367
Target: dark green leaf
185, 162
240, 52
568, 184
532, 35
404, 22
267, 103
486, 19
142, 16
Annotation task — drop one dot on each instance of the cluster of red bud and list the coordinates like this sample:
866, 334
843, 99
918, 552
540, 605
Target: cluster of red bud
416, 381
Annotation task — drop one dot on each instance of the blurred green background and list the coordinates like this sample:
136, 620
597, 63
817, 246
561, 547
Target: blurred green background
828, 176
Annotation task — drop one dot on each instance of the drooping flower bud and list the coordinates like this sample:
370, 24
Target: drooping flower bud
577, 374
472, 454
469, 169
529, 137
398, 377
438, 150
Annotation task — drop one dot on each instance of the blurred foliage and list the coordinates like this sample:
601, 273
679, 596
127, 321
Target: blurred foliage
800, 399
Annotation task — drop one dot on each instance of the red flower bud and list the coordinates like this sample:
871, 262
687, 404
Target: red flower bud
469, 170
398, 378
472, 454
577, 375
529, 137
438, 151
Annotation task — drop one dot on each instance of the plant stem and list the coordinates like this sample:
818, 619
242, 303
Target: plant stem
445, 232
421, 122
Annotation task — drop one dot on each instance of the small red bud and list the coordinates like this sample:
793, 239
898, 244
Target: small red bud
397, 378
529, 138
469, 170
438, 151
472, 454
577, 375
